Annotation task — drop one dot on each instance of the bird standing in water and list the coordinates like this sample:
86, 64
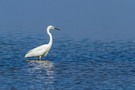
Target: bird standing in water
42, 50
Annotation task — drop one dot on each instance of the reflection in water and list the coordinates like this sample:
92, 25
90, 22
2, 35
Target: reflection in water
43, 72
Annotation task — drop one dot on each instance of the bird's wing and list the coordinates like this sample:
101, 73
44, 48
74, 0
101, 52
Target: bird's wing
37, 49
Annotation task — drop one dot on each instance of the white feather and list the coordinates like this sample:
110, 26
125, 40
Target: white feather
38, 51
42, 50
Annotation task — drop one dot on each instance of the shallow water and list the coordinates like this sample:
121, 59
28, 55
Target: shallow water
71, 65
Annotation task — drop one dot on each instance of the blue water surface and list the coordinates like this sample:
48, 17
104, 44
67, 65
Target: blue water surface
70, 65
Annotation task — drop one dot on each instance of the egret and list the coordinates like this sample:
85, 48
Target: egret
42, 50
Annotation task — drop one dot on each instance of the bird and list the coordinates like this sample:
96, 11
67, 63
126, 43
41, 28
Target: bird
42, 50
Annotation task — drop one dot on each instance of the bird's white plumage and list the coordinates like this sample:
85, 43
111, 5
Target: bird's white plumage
43, 49
38, 51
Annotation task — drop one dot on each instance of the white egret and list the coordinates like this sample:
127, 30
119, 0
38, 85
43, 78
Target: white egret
42, 50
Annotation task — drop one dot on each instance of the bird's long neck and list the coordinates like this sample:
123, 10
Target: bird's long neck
50, 35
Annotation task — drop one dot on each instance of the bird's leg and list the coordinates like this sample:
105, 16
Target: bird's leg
39, 58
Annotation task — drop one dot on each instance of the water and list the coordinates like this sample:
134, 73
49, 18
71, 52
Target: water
71, 65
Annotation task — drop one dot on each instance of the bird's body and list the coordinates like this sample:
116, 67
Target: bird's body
42, 50
38, 51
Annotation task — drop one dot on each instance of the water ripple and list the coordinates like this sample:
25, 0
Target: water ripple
72, 65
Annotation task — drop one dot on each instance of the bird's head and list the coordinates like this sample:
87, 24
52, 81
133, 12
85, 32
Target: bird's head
50, 27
